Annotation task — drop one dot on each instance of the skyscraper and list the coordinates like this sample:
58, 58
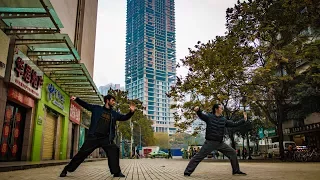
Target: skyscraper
104, 89
151, 58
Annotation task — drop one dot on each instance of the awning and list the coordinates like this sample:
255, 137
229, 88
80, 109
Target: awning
29, 17
49, 47
36, 25
74, 79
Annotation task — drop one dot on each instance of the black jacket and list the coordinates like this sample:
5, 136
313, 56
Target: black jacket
96, 114
216, 125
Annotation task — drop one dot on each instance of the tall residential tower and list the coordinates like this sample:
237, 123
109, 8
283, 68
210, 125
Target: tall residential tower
151, 58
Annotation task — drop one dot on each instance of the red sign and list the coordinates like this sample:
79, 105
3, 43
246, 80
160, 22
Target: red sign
16, 133
9, 113
20, 97
6, 131
25, 77
75, 112
4, 148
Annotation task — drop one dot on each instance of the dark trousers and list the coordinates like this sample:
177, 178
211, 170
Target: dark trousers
207, 148
89, 145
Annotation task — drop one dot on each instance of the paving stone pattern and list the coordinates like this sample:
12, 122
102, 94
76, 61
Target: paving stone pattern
163, 169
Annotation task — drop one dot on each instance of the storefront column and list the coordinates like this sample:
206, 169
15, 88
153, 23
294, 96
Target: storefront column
28, 134
3, 85
3, 101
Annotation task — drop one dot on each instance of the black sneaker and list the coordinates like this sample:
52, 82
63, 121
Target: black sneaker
240, 173
187, 174
63, 173
119, 175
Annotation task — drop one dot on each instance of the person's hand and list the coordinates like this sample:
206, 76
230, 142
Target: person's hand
196, 108
245, 116
73, 98
132, 107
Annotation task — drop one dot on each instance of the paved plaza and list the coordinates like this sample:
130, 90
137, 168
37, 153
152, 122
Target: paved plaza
142, 169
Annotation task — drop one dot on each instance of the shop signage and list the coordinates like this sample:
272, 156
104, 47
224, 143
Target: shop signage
55, 96
261, 133
310, 127
267, 132
20, 97
270, 132
75, 113
25, 77
39, 120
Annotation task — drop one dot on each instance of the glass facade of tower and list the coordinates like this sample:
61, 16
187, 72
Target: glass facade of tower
151, 58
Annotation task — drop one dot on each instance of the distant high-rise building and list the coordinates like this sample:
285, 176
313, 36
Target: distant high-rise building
104, 89
151, 58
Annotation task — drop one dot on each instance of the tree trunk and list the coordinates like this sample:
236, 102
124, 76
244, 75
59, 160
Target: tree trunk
121, 146
280, 117
248, 144
242, 146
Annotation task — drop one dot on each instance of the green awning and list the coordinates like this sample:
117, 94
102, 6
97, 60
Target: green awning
29, 17
74, 79
48, 47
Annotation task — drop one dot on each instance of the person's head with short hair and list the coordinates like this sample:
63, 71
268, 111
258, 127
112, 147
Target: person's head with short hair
109, 100
217, 109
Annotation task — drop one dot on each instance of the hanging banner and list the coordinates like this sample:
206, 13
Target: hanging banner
14, 94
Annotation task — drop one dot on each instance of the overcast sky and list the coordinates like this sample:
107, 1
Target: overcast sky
195, 20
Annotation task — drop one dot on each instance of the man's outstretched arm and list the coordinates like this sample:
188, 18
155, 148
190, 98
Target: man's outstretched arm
125, 117
230, 123
82, 103
201, 115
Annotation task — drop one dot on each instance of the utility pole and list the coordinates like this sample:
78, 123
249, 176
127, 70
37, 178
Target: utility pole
131, 141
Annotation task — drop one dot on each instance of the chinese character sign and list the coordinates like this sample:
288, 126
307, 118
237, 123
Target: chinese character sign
25, 77
75, 112
20, 97
55, 96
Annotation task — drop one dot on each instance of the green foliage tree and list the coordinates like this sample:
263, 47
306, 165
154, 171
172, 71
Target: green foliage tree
162, 140
216, 74
260, 59
124, 128
282, 34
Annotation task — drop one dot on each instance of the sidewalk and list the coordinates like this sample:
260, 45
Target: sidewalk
21, 165
169, 169
255, 159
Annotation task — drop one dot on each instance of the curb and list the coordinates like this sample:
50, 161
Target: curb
40, 165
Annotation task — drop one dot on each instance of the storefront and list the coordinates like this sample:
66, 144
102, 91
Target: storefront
24, 88
30, 40
4, 47
52, 122
74, 129
307, 135
85, 124
20, 89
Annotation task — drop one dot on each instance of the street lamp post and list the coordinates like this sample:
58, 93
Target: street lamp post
248, 142
140, 133
131, 141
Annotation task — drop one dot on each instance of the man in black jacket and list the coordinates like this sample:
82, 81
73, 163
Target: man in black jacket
216, 125
101, 134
